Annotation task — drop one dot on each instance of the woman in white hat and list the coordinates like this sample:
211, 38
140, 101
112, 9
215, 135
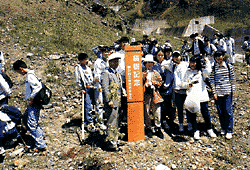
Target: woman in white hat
152, 81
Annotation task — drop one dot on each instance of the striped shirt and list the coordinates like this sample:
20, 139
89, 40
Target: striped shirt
222, 80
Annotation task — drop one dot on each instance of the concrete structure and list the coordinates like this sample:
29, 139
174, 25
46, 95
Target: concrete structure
209, 31
197, 25
148, 26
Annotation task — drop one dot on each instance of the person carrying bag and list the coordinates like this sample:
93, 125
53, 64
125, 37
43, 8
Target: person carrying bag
197, 95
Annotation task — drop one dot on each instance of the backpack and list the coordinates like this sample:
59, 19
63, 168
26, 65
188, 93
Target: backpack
8, 80
43, 96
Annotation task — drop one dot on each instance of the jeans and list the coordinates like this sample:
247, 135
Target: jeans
88, 117
225, 112
99, 102
205, 114
30, 120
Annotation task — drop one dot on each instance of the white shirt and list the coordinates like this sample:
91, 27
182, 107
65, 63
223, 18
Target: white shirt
4, 88
83, 75
200, 87
179, 71
230, 45
33, 85
222, 46
100, 66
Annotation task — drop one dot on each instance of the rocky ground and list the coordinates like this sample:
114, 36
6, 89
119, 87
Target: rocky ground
60, 121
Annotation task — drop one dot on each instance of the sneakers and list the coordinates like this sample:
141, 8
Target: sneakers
2, 151
229, 135
190, 127
223, 132
197, 134
181, 127
159, 133
211, 133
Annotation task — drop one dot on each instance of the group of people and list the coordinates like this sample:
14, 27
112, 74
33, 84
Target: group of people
169, 79
172, 81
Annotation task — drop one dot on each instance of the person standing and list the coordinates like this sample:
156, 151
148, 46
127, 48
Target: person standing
184, 48
85, 82
222, 80
145, 45
197, 48
152, 81
246, 48
165, 90
194, 80
112, 91
230, 48
178, 68
155, 47
222, 46
32, 113
210, 49
100, 65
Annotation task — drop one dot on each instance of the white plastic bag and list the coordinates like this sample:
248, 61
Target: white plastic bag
192, 101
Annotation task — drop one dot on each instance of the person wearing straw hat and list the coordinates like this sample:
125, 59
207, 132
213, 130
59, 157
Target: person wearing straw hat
152, 81
112, 90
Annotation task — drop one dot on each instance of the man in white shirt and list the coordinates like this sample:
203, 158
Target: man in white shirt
230, 48
32, 113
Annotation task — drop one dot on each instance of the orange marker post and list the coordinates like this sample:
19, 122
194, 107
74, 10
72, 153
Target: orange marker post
134, 87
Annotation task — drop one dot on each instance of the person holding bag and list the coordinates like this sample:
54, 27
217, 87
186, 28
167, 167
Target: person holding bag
197, 95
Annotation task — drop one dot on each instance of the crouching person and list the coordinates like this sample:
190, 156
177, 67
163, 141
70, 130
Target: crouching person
32, 113
111, 82
152, 81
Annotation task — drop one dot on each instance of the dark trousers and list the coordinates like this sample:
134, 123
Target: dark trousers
179, 102
205, 114
167, 110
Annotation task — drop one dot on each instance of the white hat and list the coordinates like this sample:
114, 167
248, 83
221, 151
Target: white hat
116, 56
149, 58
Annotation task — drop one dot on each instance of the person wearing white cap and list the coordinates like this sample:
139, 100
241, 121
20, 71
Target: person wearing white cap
152, 81
112, 90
